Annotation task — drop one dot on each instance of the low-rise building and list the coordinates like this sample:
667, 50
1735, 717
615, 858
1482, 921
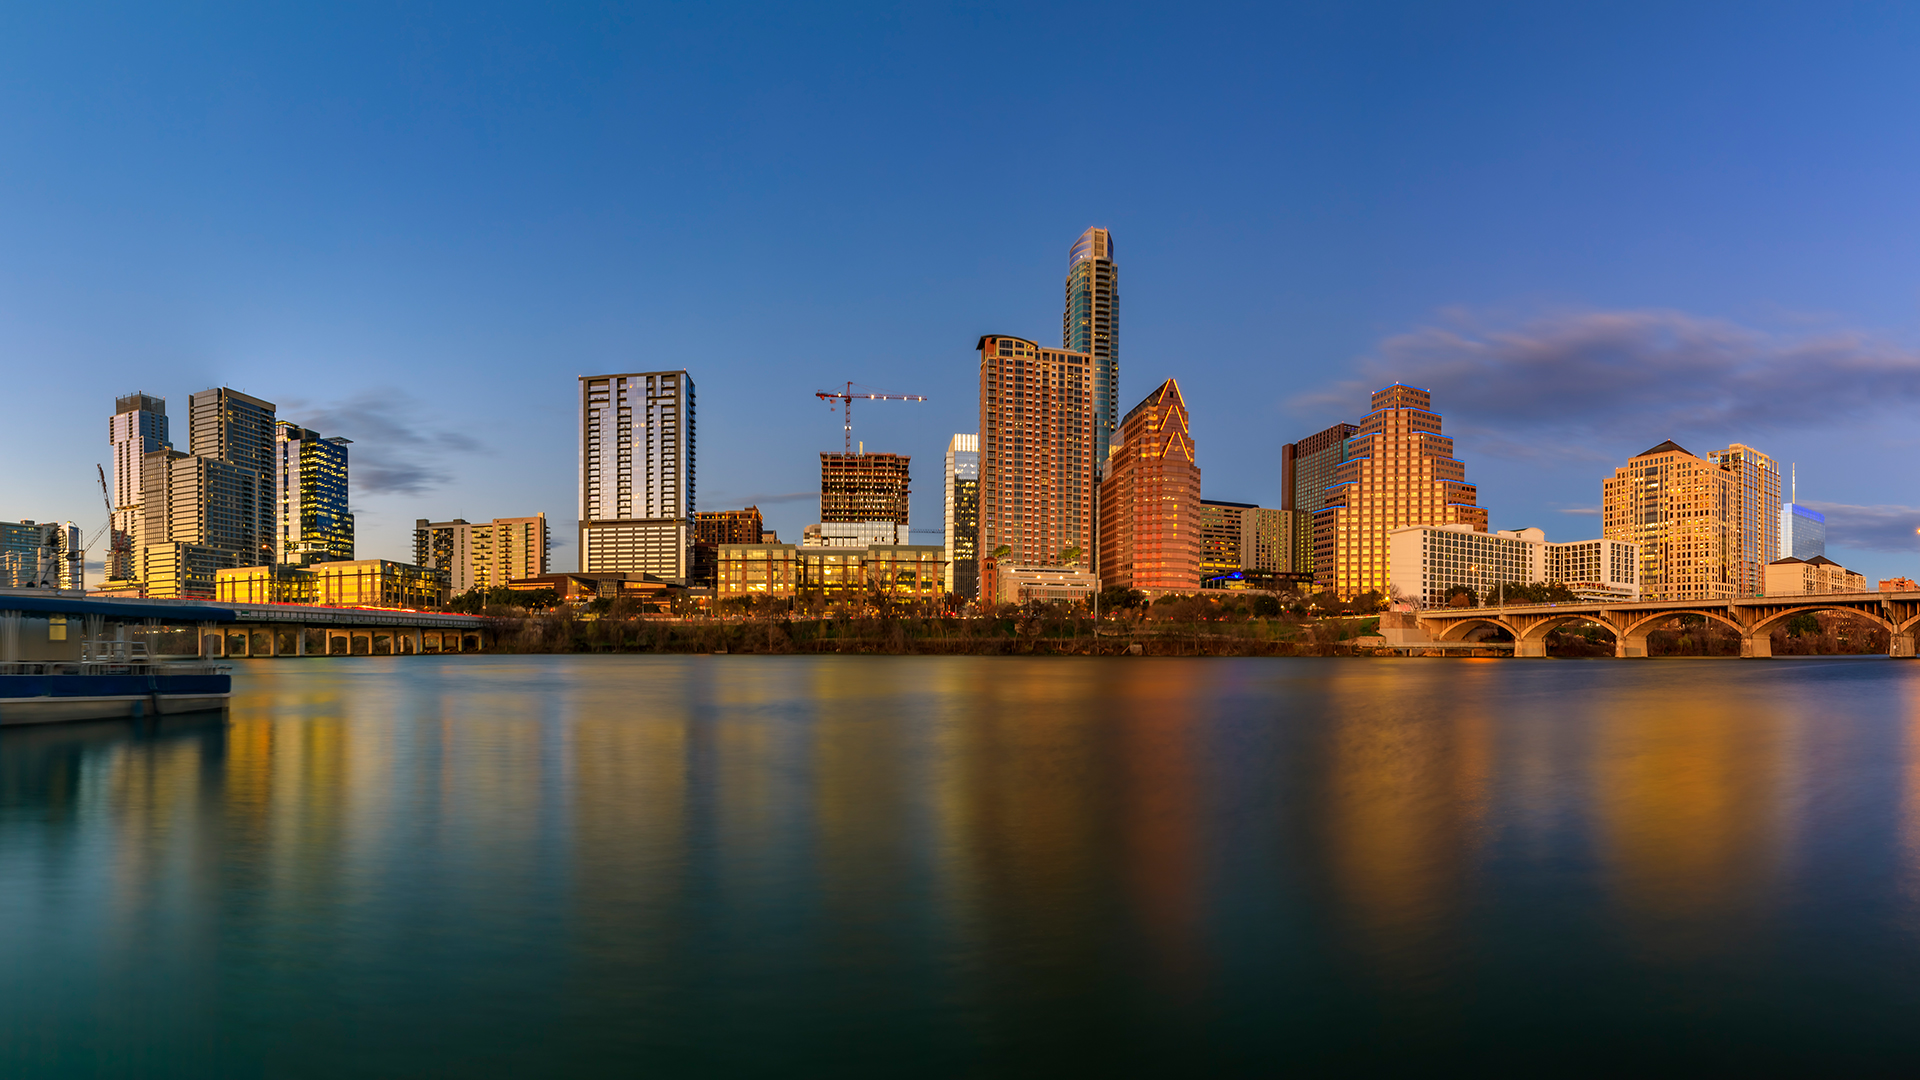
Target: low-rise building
1899, 584
1794, 577
850, 534
41, 554
1014, 583
485, 554
910, 570
354, 583
1428, 560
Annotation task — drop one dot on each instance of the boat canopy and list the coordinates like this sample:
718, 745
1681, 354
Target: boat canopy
166, 611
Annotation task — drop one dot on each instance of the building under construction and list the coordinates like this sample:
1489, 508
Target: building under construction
864, 487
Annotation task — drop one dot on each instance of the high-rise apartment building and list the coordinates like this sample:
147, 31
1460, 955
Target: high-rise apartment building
1399, 470
1306, 472
1681, 510
1755, 513
637, 474
466, 555
199, 515
41, 555
239, 429
138, 428
963, 516
1803, 530
864, 487
1091, 325
1036, 452
1150, 500
313, 523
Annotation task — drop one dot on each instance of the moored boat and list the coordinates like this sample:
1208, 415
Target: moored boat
65, 657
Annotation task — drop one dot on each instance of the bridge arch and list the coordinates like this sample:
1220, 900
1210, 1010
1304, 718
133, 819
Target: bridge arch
1766, 624
1640, 626
1457, 629
1532, 640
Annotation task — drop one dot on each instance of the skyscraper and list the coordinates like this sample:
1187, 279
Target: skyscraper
963, 516
138, 428
1091, 325
310, 482
1755, 514
1680, 509
1150, 499
1803, 530
637, 473
239, 429
1306, 471
1399, 470
199, 515
1037, 420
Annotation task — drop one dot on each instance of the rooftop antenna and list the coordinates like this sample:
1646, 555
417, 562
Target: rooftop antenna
1793, 471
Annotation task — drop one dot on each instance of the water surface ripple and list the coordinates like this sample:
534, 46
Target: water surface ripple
524, 866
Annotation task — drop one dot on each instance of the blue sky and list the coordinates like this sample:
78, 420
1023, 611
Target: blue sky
1587, 228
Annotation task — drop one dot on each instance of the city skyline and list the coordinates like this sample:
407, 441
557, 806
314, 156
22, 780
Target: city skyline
1722, 281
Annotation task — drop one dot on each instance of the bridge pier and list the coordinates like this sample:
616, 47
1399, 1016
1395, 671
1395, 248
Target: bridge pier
1900, 646
1630, 645
1756, 646
1530, 646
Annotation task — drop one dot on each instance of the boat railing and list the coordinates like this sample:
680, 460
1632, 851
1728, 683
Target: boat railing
107, 667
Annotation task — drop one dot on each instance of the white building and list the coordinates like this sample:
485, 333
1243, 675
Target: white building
1793, 577
1424, 561
852, 534
636, 474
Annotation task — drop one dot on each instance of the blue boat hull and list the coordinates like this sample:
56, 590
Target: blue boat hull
44, 699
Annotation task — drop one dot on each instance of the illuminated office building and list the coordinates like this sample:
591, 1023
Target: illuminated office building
1150, 499
728, 526
1221, 525
1803, 530
1091, 325
1037, 420
466, 555
1707, 527
963, 516
1755, 514
310, 479
239, 429
637, 474
1398, 470
864, 487
1306, 471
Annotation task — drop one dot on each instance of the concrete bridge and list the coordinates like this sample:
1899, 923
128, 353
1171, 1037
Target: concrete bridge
1752, 617
261, 630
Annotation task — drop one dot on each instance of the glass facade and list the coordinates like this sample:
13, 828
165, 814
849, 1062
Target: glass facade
314, 523
963, 516
1091, 325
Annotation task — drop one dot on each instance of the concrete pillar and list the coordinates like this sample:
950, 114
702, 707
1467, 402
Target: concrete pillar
1530, 646
1900, 646
1628, 645
1756, 645
300, 641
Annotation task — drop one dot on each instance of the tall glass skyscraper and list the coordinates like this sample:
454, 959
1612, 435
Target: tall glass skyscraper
1803, 530
311, 484
963, 516
1091, 325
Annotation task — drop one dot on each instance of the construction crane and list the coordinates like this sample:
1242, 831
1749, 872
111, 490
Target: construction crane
847, 397
115, 541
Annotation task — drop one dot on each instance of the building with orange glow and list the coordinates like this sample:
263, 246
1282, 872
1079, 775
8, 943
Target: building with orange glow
1150, 500
864, 487
1707, 527
728, 526
1398, 470
1037, 457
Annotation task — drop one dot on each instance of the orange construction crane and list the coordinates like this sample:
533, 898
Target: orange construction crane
847, 397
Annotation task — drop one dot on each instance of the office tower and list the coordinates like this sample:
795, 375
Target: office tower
199, 515
963, 516
718, 527
1399, 470
1803, 530
1150, 499
637, 474
864, 487
310, 481
1221, 525
1267, 539
1680, 509
466, 555
1091, 325
138, 428
41, 555
1036, 452
1306, 471
239, 429
1755, 514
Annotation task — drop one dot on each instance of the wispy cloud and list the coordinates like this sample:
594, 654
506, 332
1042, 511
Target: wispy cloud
393, 452
1875, 528
1585, 511
769, 500
1630, 375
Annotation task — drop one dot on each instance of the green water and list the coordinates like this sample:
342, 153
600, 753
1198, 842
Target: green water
869, 866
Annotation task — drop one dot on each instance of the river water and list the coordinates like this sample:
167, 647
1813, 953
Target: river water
835, 866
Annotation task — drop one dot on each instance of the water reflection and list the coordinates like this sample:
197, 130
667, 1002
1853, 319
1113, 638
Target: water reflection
738, 864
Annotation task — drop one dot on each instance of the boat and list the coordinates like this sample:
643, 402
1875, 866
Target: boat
67, 657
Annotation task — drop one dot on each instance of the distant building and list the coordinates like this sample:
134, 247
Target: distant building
1899, 584
41, 555
1091, 325
138, 428
467, 555
1150, 510
240, 430
1247, 546
963, 515
1803, 530
1307, 470
1012, 583
864, 487
1399, 470
375, 583
1704, 525
769, 536
637, 473
1428, 560
310, 480
1222, 528
199, 515
728, 526
1037, 461
851, 534
1793, 577
908, 571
